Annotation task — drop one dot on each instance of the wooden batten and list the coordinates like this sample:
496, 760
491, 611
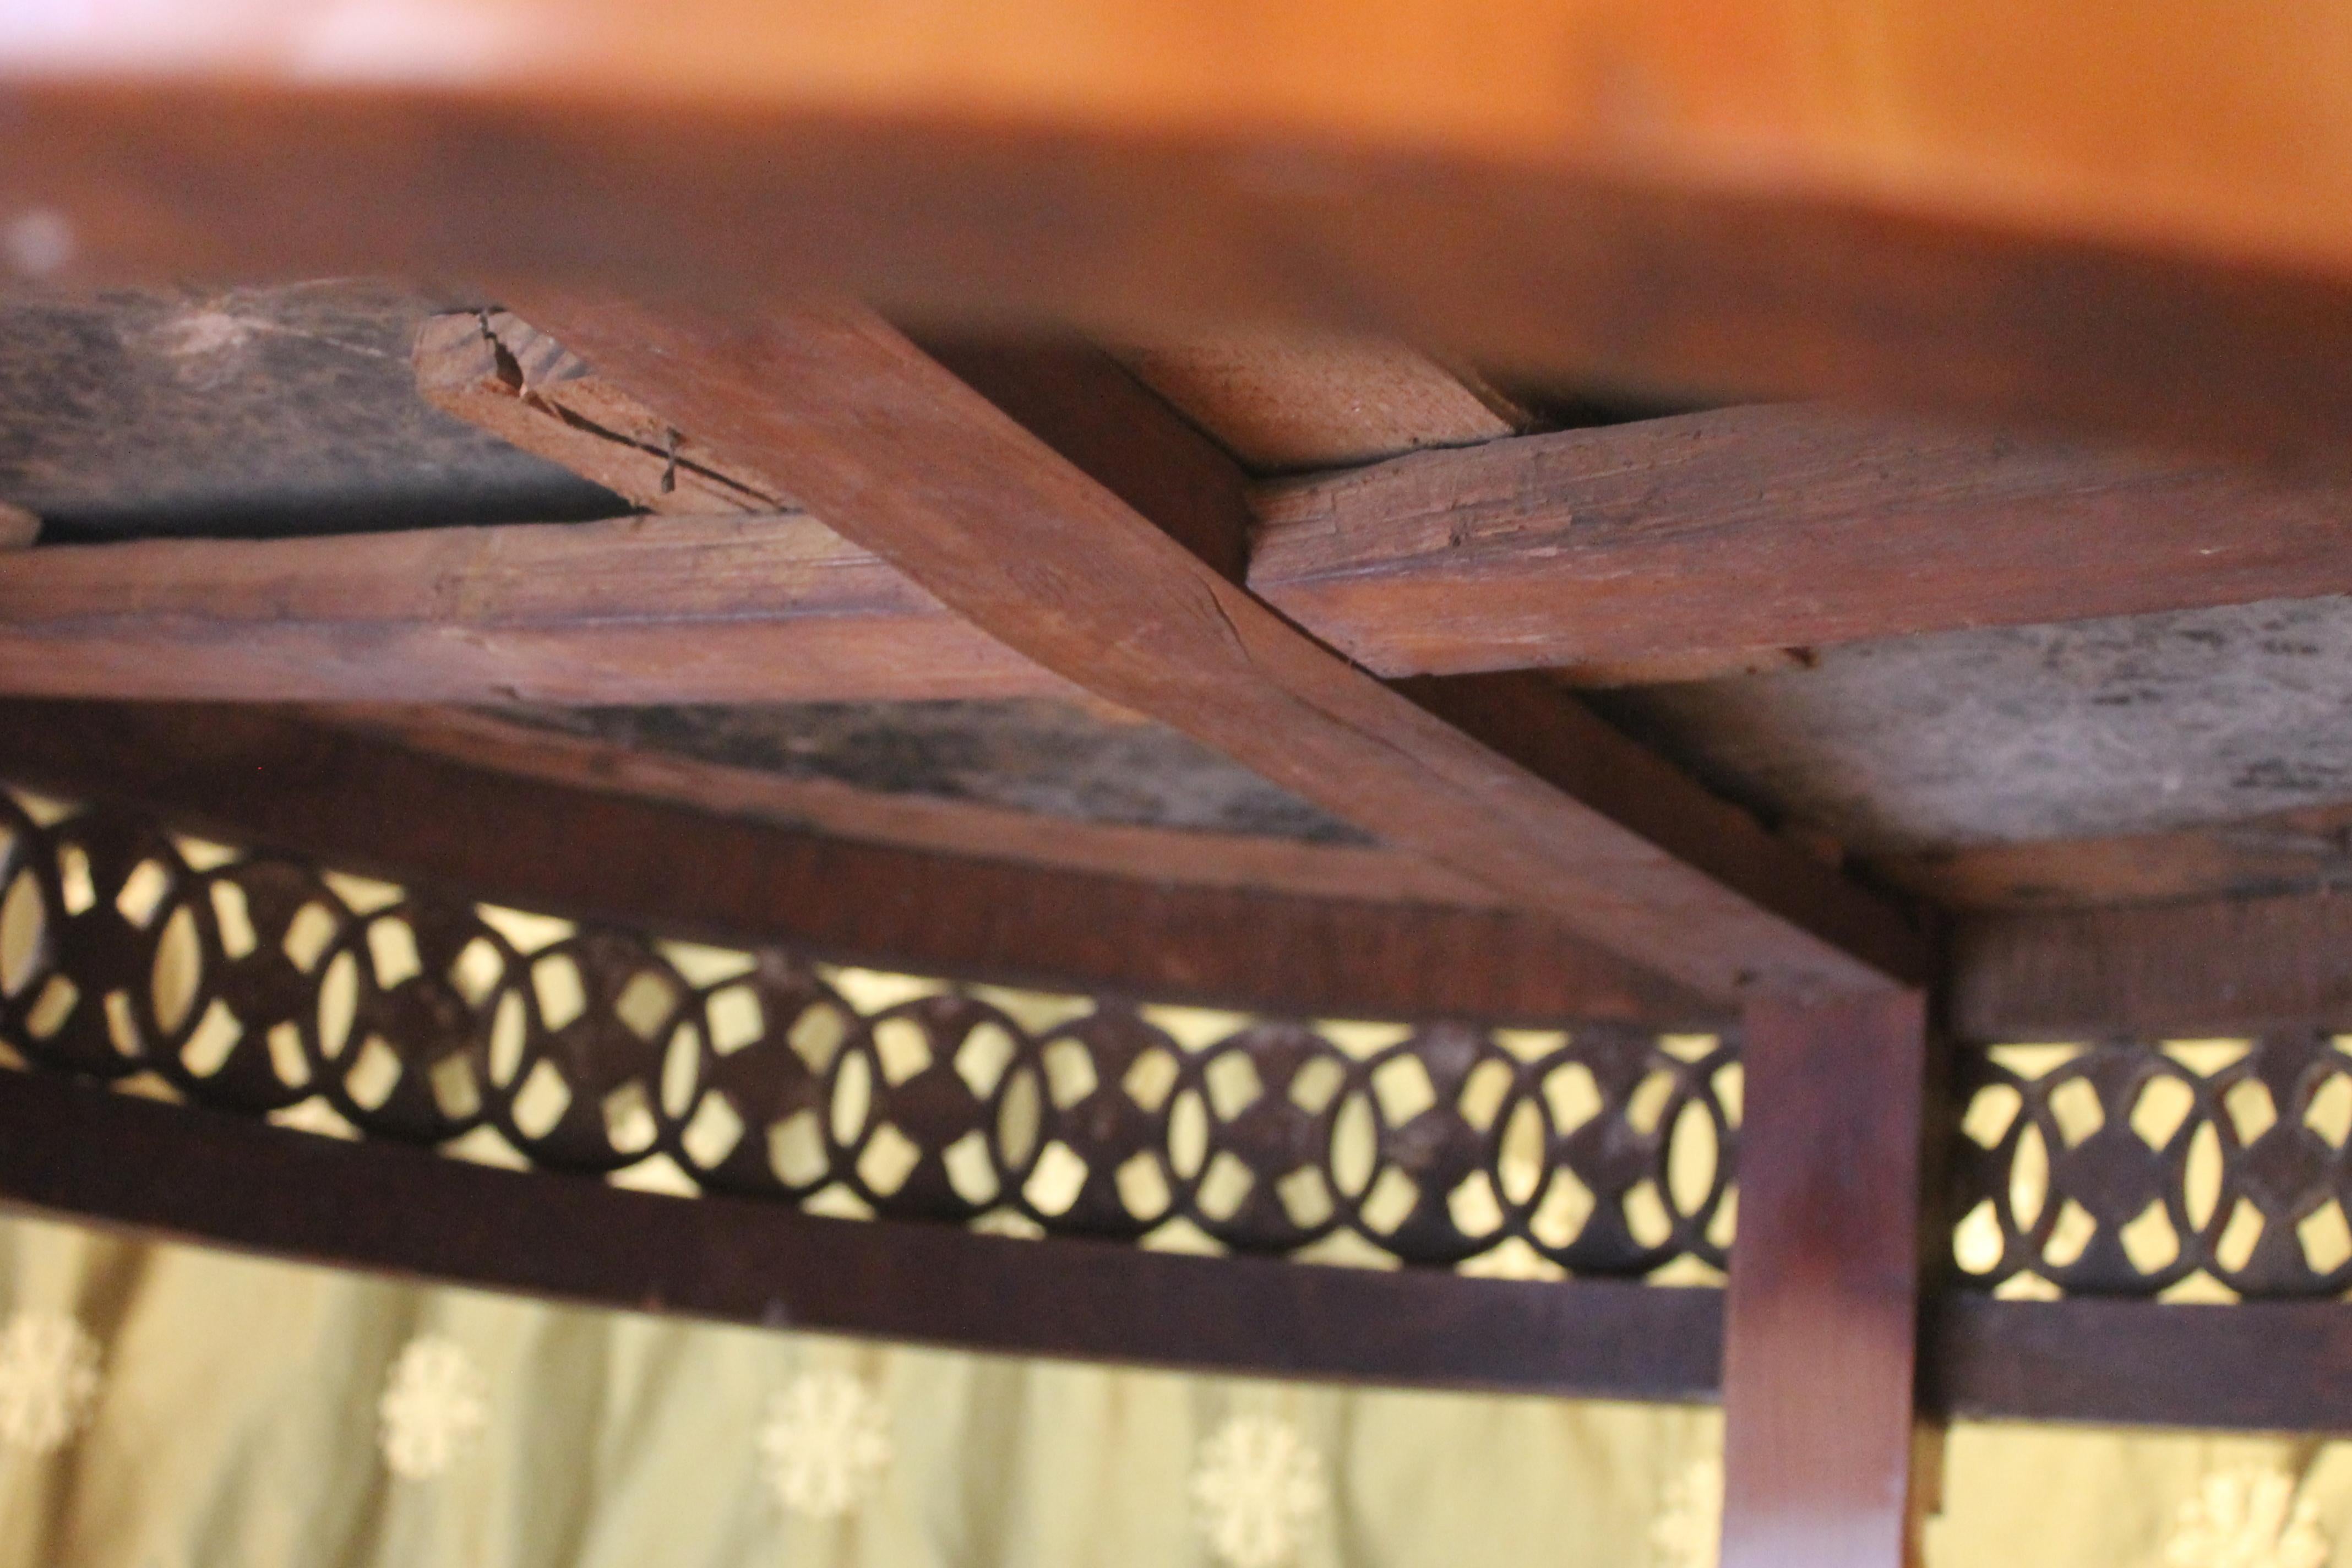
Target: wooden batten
1692, 543
1020, 538
679, 609
1825, 1273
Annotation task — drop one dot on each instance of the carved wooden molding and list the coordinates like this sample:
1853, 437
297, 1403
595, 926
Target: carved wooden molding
265, 985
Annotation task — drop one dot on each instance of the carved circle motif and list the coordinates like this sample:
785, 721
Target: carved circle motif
259, 984
2125, 1168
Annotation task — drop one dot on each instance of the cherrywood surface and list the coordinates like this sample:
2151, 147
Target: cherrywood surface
713, 609
902, 457
1701, 537
1821, 1319
1889, 284
2198, 966
349, 799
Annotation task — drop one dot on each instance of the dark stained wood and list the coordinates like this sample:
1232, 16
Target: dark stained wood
202, 1176
1108, 425
1820, 1318
2196, 967
716, 609
901, 456
2275, 1366
1538, 726
385, 1207
1705, 537
1512, 251
269, 778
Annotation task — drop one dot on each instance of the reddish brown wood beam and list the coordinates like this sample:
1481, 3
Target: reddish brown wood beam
1821, 1323
890, 448
1532, 238
713, 609
1696, 538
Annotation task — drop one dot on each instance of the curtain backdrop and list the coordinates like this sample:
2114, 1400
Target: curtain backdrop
239, 1420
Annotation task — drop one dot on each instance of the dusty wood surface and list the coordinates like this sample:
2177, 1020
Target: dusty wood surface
245, 410
1821, 1318
1694, 539
903, 458
953, 826
740, 609
268, 777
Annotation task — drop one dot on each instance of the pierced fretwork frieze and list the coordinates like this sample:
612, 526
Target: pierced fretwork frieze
2122, 1167
266, 986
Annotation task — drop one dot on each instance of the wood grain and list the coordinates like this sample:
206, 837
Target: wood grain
1694, 539
732, 609
491, 369
904, 458
267, 778
1821, 1319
